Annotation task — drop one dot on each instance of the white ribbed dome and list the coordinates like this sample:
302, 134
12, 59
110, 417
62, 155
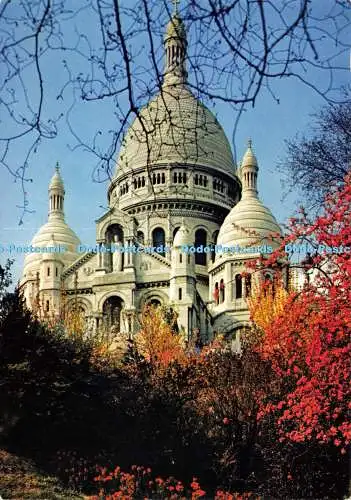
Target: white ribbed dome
180, 130
63, 235
249, 215
182, 237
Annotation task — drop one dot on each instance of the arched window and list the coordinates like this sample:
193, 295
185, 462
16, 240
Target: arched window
143, 181
184, 178
140, 237
163, 178
200, 239
216, 294
112, 309
139, 182
175, 232
158, 238
221, 291
47, 306
180, 177
175, 177
213, 252
238, 286
154, 179
158, 178
269, 284
248, 285
154, 303
196, 180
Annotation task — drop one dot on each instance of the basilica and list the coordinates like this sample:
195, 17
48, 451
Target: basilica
175, 188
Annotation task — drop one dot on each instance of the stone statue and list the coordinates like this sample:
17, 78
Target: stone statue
117, 256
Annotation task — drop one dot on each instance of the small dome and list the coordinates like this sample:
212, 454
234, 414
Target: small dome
182, 237
175, 28
56, 181
63, 235
248, 216
179, 129
249, 158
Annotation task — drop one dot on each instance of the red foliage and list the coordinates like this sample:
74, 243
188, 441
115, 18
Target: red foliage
139, 484
308, 344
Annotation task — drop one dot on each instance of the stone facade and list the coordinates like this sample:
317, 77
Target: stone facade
175, 184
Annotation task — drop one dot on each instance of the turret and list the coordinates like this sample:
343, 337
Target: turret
56, 196
51, 268
182, 282
248, 171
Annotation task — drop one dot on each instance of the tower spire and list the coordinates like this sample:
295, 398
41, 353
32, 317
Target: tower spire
56, 195
249, 170
175, 49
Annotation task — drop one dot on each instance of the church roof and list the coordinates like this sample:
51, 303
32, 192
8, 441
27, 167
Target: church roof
175, 128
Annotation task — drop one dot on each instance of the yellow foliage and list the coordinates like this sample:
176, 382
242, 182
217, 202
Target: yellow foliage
74, 323
156, 341
267, 303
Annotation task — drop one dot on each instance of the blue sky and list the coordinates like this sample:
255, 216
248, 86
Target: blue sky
268, 124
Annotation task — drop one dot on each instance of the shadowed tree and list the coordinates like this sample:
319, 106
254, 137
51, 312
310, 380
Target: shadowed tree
317, 160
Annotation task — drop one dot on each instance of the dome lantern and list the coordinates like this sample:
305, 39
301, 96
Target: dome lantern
175, 49
249, 170
56, 195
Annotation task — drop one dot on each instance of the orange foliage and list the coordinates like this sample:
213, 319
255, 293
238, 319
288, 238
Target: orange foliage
156, 341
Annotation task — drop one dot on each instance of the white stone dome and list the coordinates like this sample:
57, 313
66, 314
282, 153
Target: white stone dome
182, 237
63, 235
248, 216
180, 129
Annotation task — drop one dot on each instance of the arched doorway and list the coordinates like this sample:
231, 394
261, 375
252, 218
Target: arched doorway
112, 310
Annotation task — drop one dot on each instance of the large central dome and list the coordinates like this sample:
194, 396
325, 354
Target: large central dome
175, 128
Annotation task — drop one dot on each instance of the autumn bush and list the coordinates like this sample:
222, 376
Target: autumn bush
308, 340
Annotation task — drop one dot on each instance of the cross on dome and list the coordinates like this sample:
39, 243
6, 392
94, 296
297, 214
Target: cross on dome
175, 5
